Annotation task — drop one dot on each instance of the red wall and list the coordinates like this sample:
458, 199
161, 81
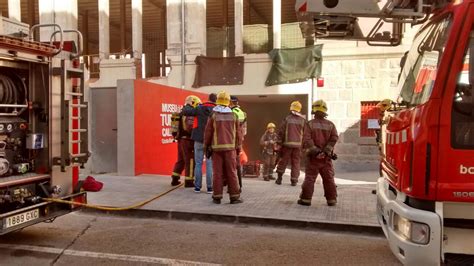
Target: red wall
154, 151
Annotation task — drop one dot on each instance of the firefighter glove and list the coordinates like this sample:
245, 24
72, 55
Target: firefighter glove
313, 151
208, 152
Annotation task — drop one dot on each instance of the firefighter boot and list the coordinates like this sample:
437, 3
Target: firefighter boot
175, 180
266, 178
303, 202
331, 202
271, 177
216, 200
189, 183
278, 181
236, 201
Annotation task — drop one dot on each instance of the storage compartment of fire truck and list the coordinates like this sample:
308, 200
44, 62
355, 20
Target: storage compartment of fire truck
37, 128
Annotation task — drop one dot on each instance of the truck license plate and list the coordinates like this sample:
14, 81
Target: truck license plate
21, 218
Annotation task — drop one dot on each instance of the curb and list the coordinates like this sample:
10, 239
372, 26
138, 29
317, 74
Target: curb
251, 220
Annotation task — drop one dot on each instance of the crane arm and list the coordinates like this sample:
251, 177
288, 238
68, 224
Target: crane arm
341, 19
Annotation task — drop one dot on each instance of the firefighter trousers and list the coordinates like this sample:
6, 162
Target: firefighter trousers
292, 155
314, 167
225, 171
185, 161
268, 164
239, 171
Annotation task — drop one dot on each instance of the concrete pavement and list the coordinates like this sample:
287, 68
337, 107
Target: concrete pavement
264, 202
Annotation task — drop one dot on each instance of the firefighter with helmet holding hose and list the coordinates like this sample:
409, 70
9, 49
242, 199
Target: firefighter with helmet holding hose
320, 137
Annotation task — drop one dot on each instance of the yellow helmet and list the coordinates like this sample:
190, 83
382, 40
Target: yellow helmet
223, 98
192, 100
271, 125
296, 106
384, 105
319, 105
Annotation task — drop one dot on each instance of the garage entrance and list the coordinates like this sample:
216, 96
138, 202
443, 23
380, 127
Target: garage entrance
261, 110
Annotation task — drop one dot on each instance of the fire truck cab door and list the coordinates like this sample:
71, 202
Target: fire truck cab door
456, 145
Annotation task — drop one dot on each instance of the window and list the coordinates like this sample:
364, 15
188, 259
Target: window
419, 72
462, 115
369, 117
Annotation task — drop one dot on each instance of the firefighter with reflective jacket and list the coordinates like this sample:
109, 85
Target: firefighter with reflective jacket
269, 143
319, 139
222, 136
242, 116
182, 133
290, 133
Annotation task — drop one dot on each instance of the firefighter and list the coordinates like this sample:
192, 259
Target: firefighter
290, 134
223, 138
269, 143
185, 147
319, 139
242, 116
201, 113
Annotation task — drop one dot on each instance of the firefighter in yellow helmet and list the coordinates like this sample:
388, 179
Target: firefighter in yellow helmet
185, 146
290, 134
319, 139
269, 144
223, 137
192, 100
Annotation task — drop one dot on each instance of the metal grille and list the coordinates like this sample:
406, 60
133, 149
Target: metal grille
458, 259
155, 58
257, 38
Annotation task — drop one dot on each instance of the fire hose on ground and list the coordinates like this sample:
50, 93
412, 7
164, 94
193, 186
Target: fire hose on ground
112, 208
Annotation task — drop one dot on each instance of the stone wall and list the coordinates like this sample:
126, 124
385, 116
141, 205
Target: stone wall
348, 82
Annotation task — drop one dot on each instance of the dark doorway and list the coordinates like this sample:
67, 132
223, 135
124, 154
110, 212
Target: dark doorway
261, 110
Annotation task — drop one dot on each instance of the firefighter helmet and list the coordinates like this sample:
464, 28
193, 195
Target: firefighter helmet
192, 100
223, 98
296, 106
384, 105
271, 125
319, 105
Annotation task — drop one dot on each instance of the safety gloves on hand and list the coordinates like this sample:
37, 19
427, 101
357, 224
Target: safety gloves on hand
208, 152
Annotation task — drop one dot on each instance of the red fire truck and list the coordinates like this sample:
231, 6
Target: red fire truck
425, 198
43, 124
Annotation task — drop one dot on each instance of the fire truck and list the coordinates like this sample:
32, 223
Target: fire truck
425, 195
43, 123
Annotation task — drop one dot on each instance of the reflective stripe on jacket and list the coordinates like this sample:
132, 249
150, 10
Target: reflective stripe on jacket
291, 130
222, 132
321, 133
186, 126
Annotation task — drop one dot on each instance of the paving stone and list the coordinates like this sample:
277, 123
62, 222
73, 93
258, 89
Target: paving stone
356, 205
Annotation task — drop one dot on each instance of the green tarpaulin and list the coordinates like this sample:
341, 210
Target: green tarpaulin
295, 65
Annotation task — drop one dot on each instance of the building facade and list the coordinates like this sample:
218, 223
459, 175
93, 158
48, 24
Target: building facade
160, 40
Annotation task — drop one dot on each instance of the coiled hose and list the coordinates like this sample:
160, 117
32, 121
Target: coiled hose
13, 90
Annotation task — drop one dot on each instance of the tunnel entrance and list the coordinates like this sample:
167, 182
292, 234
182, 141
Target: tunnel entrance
261, 110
